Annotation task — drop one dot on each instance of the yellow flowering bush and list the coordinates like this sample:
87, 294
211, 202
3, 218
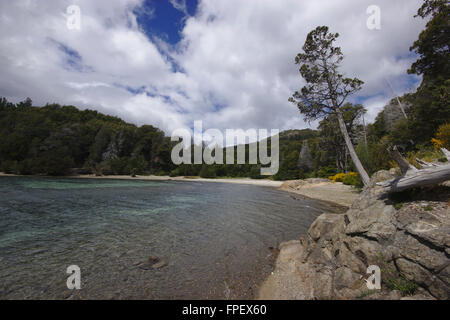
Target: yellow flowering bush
442, 139
339, 177
350, 178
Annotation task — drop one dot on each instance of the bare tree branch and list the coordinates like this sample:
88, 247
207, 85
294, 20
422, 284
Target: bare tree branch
402, 162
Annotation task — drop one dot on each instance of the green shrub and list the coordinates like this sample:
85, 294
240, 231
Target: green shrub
255, 173
286, 175
105, 169
394, 280
138, 163
405, 286
325, 172
353, 180
59, 165
26, 167
175, 172
207, 172
9, 166
119, 166
350, 180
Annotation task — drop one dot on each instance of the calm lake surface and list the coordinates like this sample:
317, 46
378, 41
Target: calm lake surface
215, 237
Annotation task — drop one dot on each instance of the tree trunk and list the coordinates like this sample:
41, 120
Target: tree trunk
398, 99
419, 178
402, 162
446, 153
432, 174
362, 172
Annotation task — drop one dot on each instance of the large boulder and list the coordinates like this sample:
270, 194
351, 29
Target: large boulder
326, 225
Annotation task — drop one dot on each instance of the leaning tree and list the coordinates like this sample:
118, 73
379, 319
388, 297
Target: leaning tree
326, 89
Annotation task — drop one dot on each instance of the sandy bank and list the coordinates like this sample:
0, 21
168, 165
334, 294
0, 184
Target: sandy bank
255, 182
322, 189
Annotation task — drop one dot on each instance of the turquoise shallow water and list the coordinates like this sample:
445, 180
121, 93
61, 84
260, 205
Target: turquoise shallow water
214, 236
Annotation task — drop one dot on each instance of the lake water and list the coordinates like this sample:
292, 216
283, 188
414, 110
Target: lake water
215, 237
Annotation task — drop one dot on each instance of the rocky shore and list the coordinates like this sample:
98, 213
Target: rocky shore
408, 238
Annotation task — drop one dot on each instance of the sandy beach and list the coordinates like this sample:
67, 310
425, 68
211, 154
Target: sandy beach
256, 182
322, 189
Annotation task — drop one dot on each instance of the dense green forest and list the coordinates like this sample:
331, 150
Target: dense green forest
61, 140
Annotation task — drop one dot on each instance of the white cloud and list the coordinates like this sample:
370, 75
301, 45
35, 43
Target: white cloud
179, 5
234, 64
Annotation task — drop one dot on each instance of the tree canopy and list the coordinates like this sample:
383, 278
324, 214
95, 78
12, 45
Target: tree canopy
326, 90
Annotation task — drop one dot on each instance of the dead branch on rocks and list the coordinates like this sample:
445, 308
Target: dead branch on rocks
430, 174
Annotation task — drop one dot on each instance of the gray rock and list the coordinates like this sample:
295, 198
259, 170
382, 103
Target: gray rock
326, 225
347, 259
345, 278
415, 251
431, 226
366, 250
394, 295
375, 220
414, 272
380, 176
331, 261
290, 250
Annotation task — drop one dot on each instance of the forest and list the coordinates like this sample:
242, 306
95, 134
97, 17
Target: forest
63, 140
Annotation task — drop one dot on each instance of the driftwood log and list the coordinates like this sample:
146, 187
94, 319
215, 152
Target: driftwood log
430, 174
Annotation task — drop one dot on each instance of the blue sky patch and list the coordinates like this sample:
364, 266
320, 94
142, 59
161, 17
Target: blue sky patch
165, 22
73, 60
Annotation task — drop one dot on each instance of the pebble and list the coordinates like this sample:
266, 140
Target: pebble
160, 265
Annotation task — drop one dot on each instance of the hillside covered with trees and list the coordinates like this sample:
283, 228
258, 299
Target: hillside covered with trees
62, 140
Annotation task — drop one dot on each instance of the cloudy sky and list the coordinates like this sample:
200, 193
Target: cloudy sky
229, 63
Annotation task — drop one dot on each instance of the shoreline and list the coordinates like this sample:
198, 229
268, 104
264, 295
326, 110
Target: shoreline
323, 190
247, 181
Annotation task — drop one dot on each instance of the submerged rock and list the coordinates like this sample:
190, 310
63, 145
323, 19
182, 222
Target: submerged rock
152, 263
159, 265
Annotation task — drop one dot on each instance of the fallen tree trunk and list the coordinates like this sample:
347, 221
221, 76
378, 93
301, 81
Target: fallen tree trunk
412, 177
421, 178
